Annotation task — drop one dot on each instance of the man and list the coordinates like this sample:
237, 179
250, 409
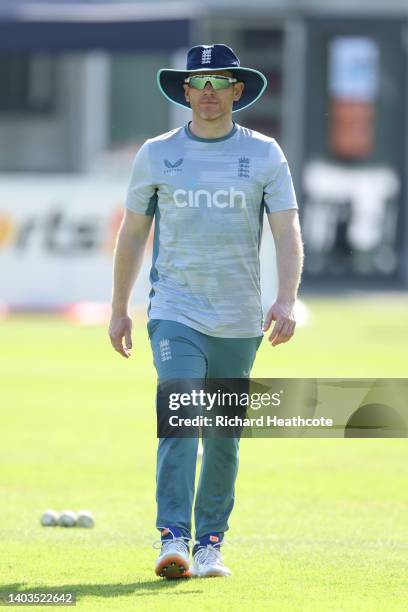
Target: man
207, 185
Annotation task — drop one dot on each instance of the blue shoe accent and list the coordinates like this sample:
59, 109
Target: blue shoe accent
214, 538
168, 533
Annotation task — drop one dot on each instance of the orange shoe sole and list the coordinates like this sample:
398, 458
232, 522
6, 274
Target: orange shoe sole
173, 566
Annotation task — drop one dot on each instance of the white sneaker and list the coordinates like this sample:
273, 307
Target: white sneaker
173, 561
208, 561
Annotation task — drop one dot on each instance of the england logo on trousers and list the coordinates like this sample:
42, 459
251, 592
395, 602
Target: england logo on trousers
165, 350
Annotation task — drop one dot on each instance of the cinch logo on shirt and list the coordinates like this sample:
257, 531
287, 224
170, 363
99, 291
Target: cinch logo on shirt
220, 198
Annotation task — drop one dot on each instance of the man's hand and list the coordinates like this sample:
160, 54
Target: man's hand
282, 313
121, 327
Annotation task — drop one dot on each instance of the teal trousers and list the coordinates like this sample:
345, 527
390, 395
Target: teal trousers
182, 352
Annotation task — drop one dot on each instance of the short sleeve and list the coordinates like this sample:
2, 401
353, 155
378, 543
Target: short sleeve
142, 194
279, 192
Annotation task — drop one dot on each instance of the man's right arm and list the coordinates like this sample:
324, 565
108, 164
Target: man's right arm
128, 258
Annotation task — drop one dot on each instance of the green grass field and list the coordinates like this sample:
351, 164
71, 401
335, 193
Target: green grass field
318, 525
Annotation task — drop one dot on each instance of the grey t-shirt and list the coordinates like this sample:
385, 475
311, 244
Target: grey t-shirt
208, 198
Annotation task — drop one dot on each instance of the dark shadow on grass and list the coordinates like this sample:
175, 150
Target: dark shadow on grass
152, 587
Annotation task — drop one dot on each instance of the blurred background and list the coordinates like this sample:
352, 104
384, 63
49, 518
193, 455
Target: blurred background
78, 96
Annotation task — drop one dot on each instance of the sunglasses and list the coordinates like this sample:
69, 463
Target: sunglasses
217, 82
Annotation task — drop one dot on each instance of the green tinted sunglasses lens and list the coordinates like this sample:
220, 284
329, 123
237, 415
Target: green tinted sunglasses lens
217, 82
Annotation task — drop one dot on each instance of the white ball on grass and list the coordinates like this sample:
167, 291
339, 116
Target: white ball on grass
67, 519
49, 518
85, 519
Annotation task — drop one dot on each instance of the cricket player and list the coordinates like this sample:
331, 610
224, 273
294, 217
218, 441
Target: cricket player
207, 185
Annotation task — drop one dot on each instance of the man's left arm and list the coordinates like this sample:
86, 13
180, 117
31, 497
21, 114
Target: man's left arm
286, 232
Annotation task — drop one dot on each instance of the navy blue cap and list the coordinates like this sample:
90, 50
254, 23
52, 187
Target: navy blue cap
212, 57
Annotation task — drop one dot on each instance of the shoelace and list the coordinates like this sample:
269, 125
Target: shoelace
180, 544
208, 554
